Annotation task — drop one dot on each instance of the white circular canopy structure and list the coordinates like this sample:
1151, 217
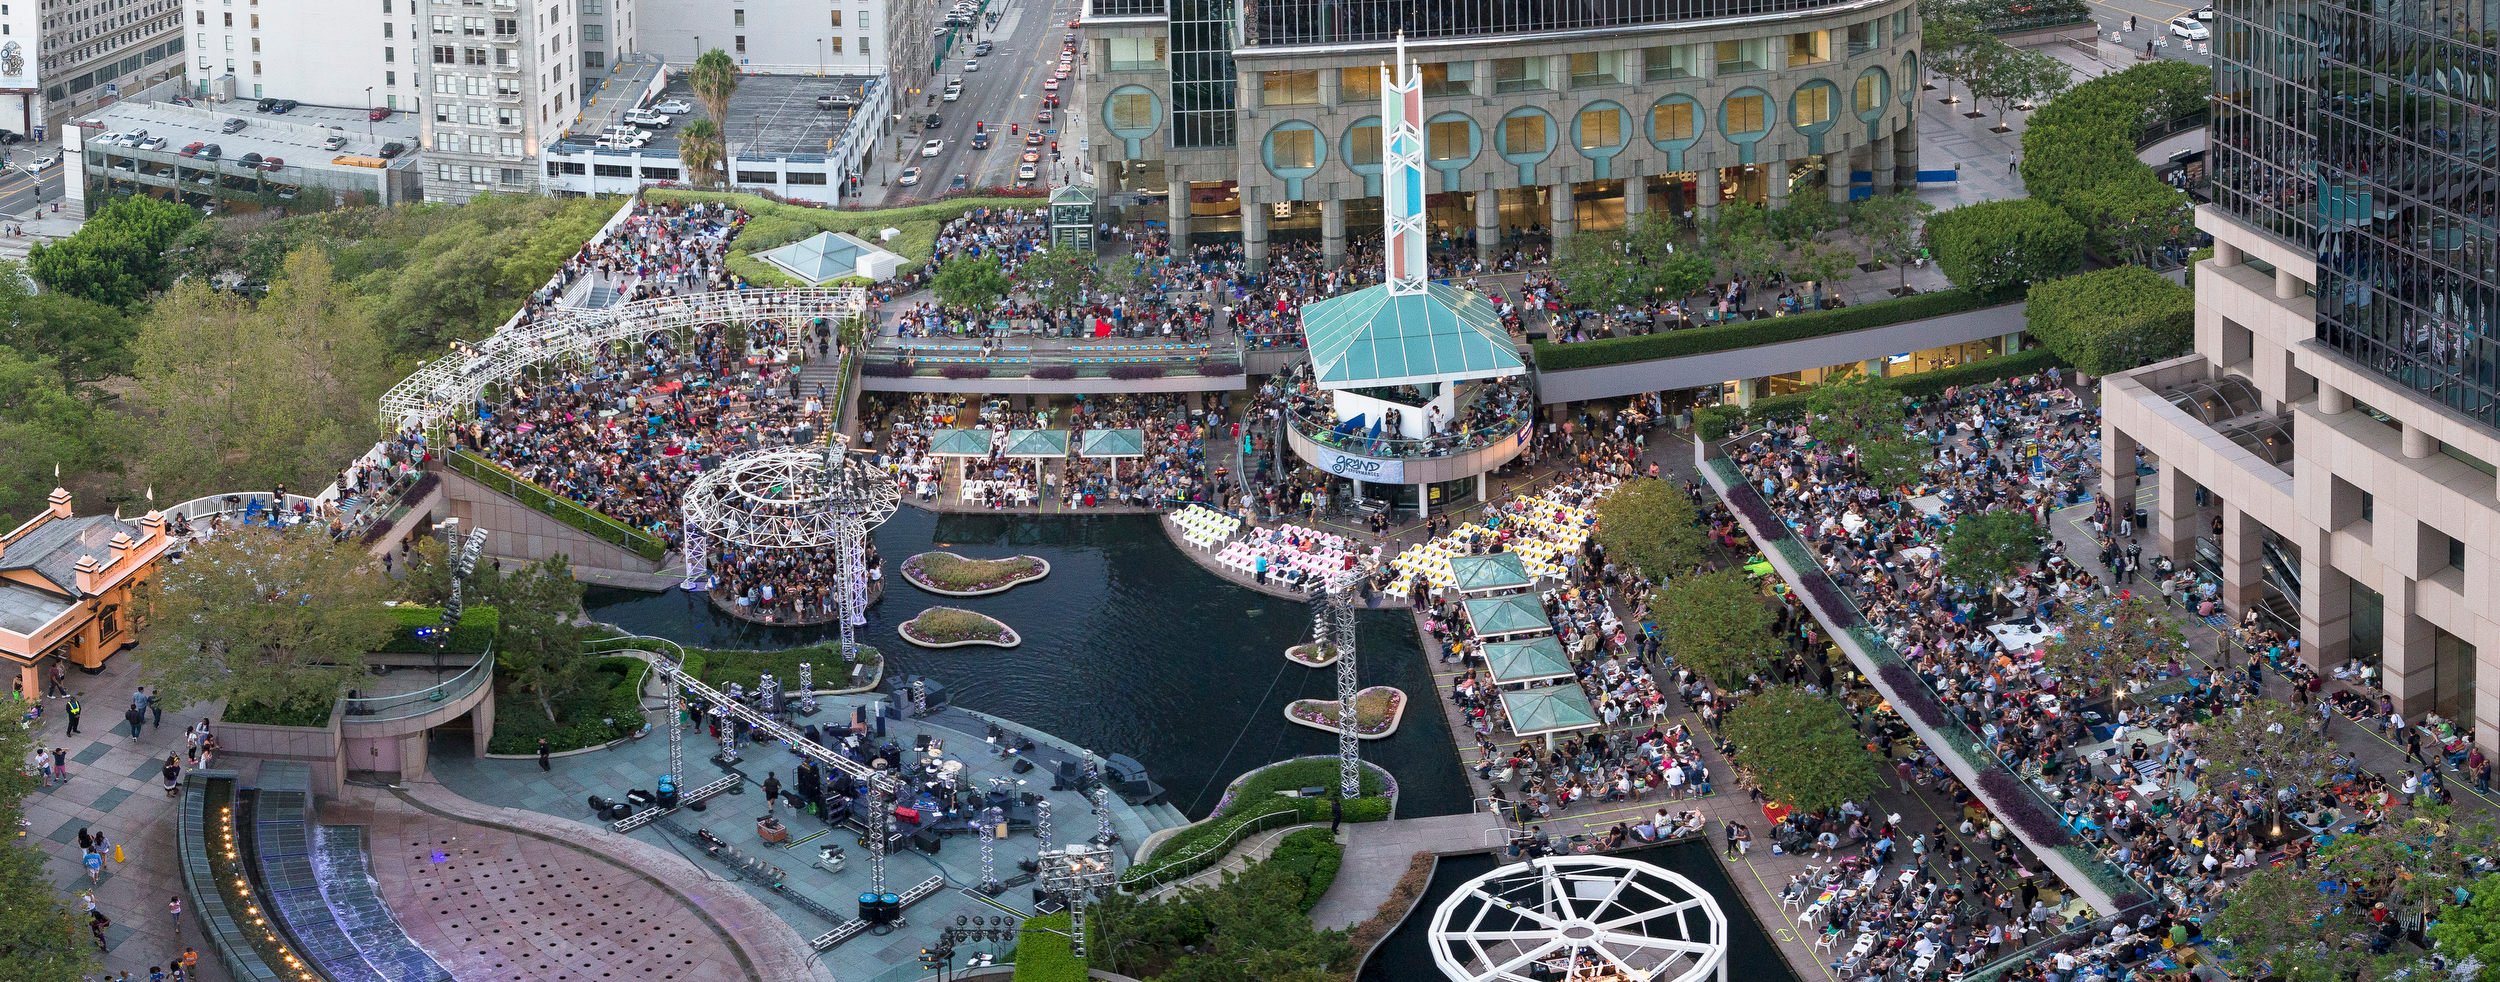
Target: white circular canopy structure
789, 498
1580, 919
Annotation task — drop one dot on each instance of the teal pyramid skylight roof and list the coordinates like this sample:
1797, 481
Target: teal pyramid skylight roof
821, 257
960, 443
1492, 571
1374, 337
1114, 443
1533, 660
1549, 710
1036, 443
1515, 613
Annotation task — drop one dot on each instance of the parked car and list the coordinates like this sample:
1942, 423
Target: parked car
232, 124
248, 160
334, 142
271, 164
2205, 12
10, 137
673, 107
981, 50
392, 149
47, 161
152, 143
378, 113
2190, 28
264, 105
111, 138
212, 152
910, 177
932, 148
287, 193
640, 117
280, 107
192, 149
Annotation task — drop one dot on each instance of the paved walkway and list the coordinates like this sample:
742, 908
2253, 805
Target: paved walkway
1244, 853
115, 788
1378, 853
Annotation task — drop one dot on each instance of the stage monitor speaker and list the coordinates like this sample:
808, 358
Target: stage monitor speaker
927, 841
1023, 765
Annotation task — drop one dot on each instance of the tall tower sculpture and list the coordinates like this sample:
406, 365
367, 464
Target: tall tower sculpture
1402, 186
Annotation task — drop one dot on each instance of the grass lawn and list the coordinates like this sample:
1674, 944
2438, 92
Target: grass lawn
950, 572
945, 625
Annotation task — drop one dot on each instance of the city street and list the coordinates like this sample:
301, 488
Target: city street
1007, 89
2152, 22
19, 192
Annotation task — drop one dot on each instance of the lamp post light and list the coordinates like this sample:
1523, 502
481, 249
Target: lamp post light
368, 111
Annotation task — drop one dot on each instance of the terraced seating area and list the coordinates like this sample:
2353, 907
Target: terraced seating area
1205, 527
1295, 555
1540, 527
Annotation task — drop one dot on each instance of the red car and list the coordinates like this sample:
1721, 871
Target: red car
377, 114
272, 163
193, 148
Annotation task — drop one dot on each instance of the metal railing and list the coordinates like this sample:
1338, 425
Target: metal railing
935, 355
406, 705
1199, 860
1324, 433
556, 506
1959, 738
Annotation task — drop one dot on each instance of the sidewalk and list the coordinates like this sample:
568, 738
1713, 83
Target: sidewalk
115, 787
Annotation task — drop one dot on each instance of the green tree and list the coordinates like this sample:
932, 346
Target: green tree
2280, 922
1854, 412
1651, 525
1635, 265
714, 79
1740, 239
1058, 276
238, 395
2129, 218
1983, 548
2269, 737
535, 644
86, 341
1950, 39
118, 257
1801, 748
970, 284
1121, 276
425, 574
1887, 225
2003, 76
1718, 624
2110, 646
699, 148
1996, 244
2111, 320
44, 428
2471, 930
265, 618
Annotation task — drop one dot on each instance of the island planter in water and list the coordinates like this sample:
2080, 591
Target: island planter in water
947, 574
954, 627
1377, 711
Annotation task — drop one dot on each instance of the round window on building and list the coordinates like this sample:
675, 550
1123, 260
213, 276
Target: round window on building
1675, 122
1526, 135
1745, 116
1362, 145
1450, 141
1874, 92
1601, 130
1813, 106
1294, 149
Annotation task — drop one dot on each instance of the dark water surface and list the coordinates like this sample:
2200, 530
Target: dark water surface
1129, 647
1407, 954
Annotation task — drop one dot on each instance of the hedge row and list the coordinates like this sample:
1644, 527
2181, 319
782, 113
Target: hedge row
1043, 952
1745, 334
1919, 386
1313, 855
473, 635
2087, 138
771, 225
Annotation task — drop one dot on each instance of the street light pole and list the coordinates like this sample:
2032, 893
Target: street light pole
368, 111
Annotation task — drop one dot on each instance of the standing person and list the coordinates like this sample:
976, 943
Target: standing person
86, 843
60, 762
1336, 813
73, 710
173, 774
173, 912
1730, 828
60, 672
135, 718
94, 862
96, 925
772, 792
542, 754
156, 709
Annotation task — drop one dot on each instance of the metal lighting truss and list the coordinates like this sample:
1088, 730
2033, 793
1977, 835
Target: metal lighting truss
1332, 629
1580, 919
450, 385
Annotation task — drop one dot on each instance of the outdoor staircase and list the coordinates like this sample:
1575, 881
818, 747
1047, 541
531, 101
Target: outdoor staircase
601, 296
826, 373
1161, 815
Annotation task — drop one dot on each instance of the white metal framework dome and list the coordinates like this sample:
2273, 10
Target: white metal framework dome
788, 498
1580, 919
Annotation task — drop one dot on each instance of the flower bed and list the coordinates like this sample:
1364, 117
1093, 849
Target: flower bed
1312, 655
948, 574
1377, 710
951, 627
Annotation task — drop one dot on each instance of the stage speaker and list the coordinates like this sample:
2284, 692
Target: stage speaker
927, 841
1023, 765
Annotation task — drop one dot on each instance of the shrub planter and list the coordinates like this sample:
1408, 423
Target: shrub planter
954, 627
1312, 655
949, 575
1377, 711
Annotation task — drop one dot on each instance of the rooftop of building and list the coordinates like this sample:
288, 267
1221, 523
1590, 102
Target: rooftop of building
52, 549
295, 136
769, 115
620, 92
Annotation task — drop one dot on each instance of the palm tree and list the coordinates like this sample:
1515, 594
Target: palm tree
699, 146
714, 76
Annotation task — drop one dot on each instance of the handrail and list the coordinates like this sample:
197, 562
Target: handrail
1325, 435
557, 506
1205, 856
1961, 741
371, 709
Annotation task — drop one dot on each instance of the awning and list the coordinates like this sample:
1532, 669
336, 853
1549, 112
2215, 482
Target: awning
1037, 443
1553, 709
960, 443
1372, 337
1507, 615
1492, 571
1533, 660
1114, 443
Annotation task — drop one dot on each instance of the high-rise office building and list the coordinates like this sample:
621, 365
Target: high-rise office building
1264, 118
59, 58
2327, 454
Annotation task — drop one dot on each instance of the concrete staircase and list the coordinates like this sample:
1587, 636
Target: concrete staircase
826, 373
1161, 815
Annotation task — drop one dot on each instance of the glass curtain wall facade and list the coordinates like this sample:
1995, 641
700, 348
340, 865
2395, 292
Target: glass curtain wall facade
2395, 182
1203, 37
